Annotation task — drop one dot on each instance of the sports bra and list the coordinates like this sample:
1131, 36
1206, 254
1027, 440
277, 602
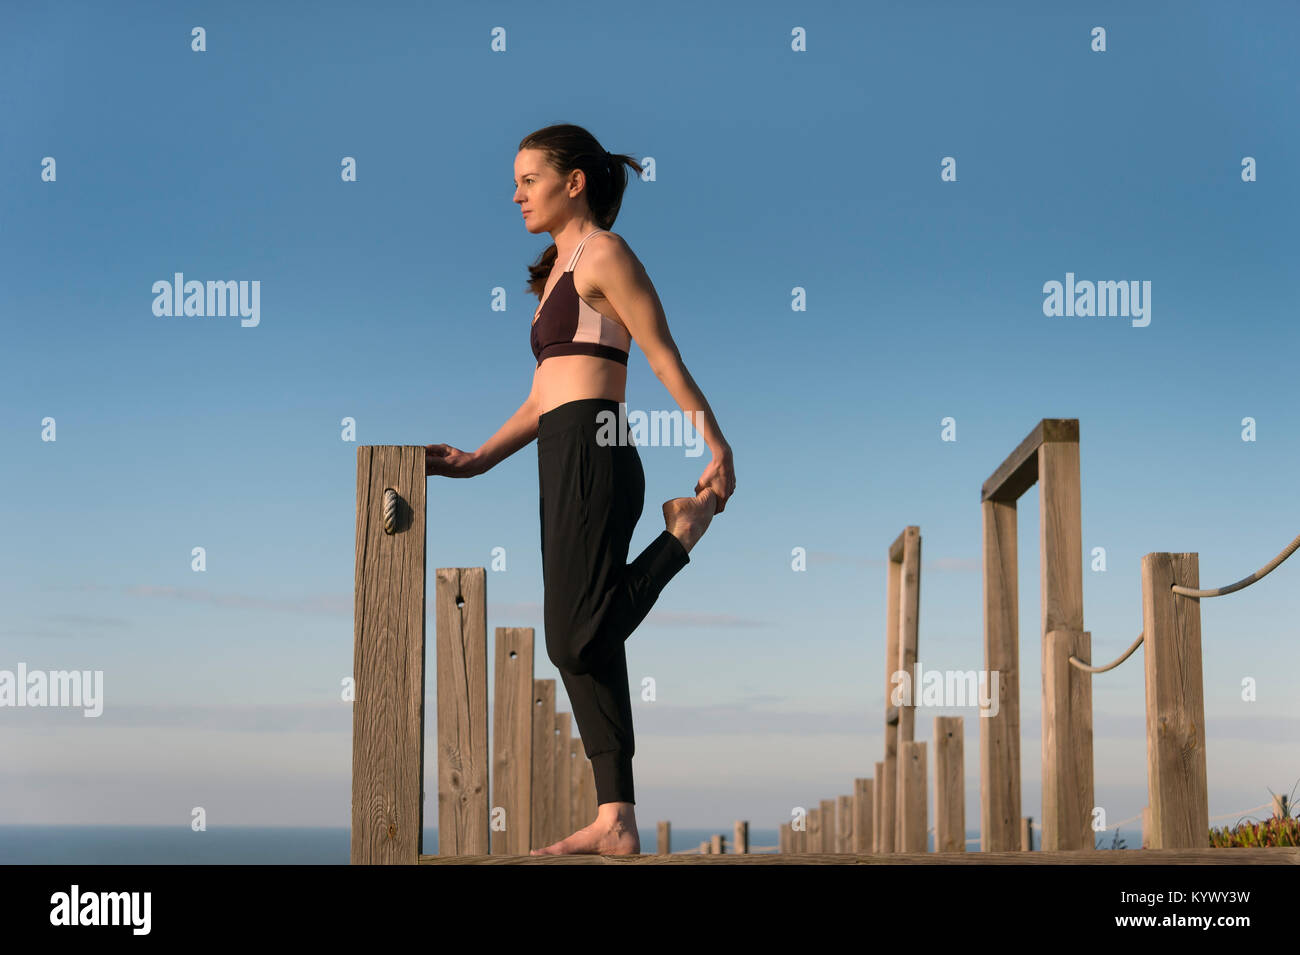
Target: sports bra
564, 324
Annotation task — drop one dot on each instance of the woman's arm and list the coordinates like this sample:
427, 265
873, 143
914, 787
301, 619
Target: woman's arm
519, 429
624, 283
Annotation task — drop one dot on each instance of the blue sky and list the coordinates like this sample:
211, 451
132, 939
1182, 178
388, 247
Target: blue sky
775, 169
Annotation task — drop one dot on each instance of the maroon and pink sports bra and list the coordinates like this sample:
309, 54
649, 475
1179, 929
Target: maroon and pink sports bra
564, 324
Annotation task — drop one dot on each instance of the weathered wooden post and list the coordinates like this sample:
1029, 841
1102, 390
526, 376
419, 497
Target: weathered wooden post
740, 837
949, 785
844, 824
1067, 742
665, 838
863, 817
1171, 626
912, 803
877, 810
577, 776
827, 816
906, 552
512, 742
461, 674
388, 658
1049, 457
543, 784
563, 779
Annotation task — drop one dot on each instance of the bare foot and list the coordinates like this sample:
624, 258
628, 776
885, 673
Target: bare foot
689, 517
611, 836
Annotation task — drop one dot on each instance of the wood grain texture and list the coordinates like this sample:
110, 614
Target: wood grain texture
1067, 743
665, 837
543, 807
909, 616
577, 772
388, 660
1019, 471
1067, 747
844, 824
461, 661
1177, 791
1000, 732
949, 785
512, 739
888, 796
877, 815
563, 777
863, 816
827, 816
912, 798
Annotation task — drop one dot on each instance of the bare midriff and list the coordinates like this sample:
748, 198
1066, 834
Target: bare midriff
563, 378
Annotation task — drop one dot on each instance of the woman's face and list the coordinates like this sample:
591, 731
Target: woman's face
539, 190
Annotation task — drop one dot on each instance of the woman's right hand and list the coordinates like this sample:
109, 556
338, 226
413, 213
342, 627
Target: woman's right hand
444, 460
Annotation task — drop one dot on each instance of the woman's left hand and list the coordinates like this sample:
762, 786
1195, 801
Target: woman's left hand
720, 476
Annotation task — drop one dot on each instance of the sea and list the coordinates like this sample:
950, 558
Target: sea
280, 845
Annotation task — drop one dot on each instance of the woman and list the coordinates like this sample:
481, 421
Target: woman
593, 488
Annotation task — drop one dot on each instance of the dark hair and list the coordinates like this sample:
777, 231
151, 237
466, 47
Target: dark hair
568, 147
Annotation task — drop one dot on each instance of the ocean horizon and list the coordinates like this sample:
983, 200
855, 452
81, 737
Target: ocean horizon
285, 845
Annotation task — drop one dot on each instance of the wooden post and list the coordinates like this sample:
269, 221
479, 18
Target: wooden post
741, 837
665, 838
461, 662
590, 805
844, 824
1176, 780
718, 848
1067, 742
886, 794
783, 838
577, 772
1000, 731
863, 817
543, 801
560, 823
890, 789
1048, 456
512, 742
1067, 700
1146, 826
388, 661
912, 804
828, 825
1026, 834
907, 551
814, 833
949, 785
877, 811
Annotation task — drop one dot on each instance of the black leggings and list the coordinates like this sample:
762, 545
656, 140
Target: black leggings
592, 492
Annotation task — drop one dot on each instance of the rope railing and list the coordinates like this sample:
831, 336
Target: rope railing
1245, 581
1191, 592
1109, 666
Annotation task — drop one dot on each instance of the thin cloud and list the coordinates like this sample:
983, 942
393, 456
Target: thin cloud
943, 564
317, 604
